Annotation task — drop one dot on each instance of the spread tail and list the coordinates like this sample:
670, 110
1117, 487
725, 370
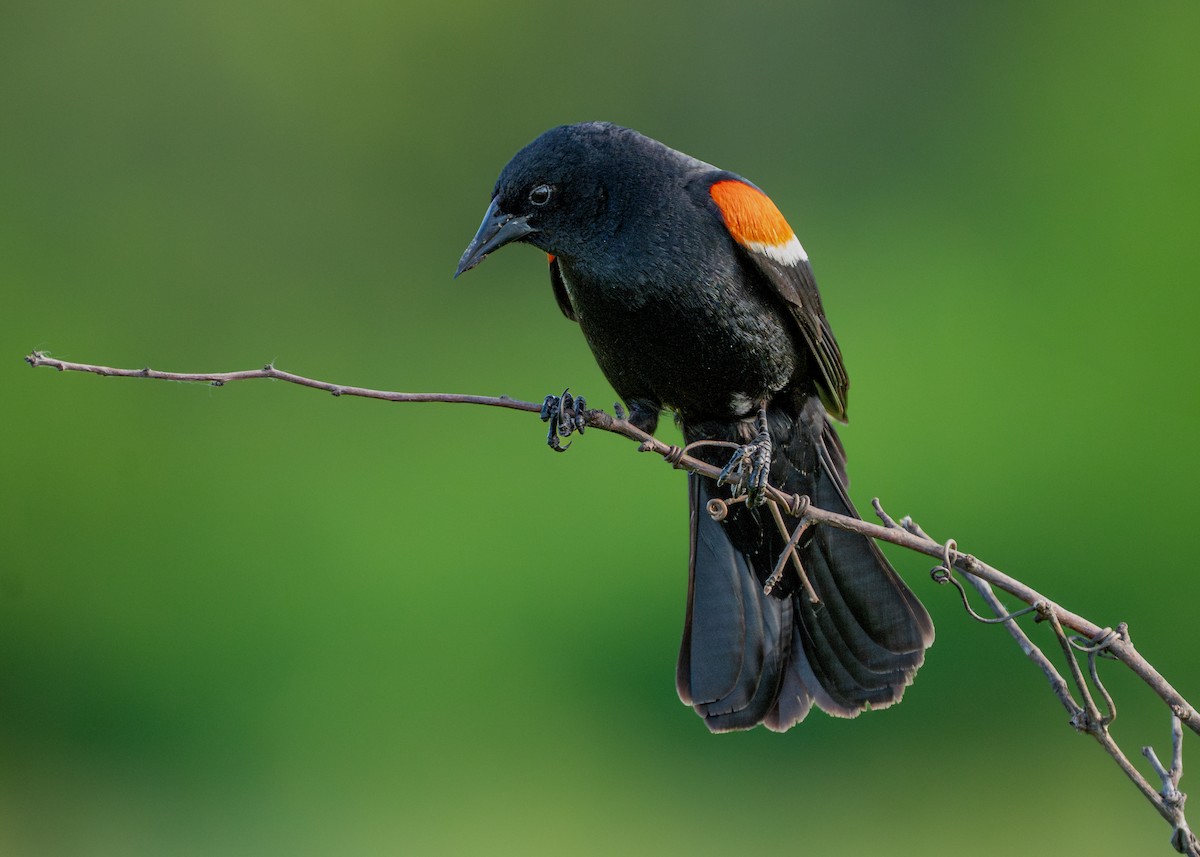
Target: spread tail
750, 658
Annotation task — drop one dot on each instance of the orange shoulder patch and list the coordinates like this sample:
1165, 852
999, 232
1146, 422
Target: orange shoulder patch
749, 213
755, 222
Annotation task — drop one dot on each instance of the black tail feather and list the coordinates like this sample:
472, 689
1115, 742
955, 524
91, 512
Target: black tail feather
750, 658
732, 660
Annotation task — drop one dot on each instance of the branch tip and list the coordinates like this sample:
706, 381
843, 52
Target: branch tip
887, 519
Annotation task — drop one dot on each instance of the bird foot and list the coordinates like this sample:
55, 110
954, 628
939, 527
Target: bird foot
750, 467
566, 414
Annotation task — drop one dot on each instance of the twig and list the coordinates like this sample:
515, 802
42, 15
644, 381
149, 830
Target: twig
1172, 797
1169, 801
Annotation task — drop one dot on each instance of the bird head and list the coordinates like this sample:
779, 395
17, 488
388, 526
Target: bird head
556, 193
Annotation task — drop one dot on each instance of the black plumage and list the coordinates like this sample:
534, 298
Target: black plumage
704, 304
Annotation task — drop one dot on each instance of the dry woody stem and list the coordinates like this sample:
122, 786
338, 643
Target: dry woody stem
1091, 714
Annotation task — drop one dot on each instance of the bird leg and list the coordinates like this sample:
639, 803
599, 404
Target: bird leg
750, 466
566, 414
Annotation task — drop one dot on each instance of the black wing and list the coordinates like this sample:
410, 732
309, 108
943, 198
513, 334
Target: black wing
798, 288
763, 235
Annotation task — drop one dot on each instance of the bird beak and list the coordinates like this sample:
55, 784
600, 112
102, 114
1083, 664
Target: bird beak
496, 230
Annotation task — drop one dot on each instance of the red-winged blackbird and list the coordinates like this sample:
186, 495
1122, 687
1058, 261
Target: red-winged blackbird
695, 295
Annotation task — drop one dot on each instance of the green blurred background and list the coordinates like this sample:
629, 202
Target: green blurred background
261, 620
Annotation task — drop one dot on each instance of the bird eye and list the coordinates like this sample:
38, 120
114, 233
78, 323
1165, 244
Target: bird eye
540, 195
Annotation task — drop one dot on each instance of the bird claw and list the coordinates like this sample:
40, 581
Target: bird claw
750, 468
566, 414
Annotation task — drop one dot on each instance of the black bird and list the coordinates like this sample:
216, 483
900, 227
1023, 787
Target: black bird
695, 296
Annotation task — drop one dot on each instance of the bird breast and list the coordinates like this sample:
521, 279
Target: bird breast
707, 347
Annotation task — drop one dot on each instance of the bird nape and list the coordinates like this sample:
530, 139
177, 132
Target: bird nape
696, 296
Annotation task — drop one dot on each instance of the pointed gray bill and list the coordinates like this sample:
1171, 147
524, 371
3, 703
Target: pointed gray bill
496, 230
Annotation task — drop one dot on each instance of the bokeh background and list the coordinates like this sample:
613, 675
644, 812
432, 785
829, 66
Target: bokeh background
260, 620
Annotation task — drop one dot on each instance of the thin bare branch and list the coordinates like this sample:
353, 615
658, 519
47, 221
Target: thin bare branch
220, 379
1169, 801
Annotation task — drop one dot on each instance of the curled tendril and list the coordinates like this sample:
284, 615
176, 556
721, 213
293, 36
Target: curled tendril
718, 508
941, 574
798, 504
1097, 644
